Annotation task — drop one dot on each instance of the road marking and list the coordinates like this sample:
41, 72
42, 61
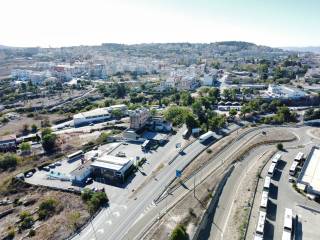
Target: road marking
124, 207
109, 222
101, 230
117, 214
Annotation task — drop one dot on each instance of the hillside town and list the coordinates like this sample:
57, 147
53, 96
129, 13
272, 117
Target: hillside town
115, 135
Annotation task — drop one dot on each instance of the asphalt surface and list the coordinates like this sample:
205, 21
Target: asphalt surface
281, 196
115, 221
127, 217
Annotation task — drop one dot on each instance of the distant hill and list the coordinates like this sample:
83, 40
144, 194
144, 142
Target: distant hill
3, 47
303, 49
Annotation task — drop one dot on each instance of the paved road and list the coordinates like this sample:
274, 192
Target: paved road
285, 195
115, 221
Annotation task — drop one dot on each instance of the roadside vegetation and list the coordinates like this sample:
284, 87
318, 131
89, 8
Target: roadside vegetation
94, 200
179, 233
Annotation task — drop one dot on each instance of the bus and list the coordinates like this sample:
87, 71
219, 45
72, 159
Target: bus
264, 200
293, 168
206, 136
266, 184
299, 157
287, 226
286, 235
145, 145
271, 169
258, 237
74, 156
287, 219
276, 158
261, 222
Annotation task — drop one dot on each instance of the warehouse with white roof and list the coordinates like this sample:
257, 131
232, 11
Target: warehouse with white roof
97, 115
309, 178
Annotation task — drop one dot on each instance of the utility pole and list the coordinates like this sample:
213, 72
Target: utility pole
194, 186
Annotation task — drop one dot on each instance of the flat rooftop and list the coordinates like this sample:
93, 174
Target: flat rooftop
92, 113
106, 158
311, 172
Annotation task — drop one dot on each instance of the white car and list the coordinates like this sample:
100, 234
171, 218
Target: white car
29, 174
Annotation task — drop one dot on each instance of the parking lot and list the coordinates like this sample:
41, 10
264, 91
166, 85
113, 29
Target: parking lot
282, 195
40, 177
155, 159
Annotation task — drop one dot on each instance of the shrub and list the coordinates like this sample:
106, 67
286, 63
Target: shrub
94, 200
280, 146
179, 233
8, 161
26, 220
32, 233
47, 208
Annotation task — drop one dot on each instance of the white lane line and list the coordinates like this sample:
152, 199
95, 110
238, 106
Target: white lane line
109, 222
116, 214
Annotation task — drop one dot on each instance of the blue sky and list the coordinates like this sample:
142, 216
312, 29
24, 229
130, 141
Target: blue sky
74, 22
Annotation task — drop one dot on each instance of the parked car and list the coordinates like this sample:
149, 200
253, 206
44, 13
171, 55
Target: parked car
89, 181
46, 169
58, 163
52, 165
29, 174
291, 179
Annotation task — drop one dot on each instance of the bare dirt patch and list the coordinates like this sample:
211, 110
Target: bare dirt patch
28, 198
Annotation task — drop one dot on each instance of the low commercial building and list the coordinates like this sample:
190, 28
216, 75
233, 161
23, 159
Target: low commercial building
97, 115
284, 92
111, 169
309, 178
8, 143
81, 173
93, 116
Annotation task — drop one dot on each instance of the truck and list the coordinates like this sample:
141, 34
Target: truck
206, 136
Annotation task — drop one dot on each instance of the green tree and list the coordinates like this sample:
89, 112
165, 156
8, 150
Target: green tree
185, 99
227, 94
117, 113
191, 121
34, 128
25, 147
49, 142
214, 93
233, 112
177, 115
45, 131
280, 146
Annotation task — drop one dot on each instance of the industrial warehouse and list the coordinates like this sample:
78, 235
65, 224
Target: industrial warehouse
309, 178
